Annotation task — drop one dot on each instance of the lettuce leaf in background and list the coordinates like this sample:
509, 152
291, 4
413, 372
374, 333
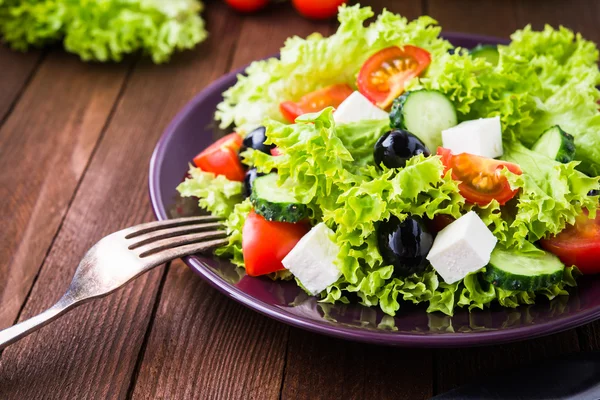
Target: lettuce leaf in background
104, 30
552, 195
216, 194
315, 62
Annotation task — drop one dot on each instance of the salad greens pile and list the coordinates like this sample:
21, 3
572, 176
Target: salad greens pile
541, 79
104, 30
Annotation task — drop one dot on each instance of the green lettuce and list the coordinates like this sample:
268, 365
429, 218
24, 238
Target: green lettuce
216, 194
316, 62
551, 196
104, 30
234, 224
322, 170
543, 79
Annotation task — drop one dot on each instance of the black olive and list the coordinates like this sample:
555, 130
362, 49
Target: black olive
256, 140
404, 244
594, 192
396, 147
251, 175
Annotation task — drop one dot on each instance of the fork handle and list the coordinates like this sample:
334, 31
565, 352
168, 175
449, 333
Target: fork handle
16, 332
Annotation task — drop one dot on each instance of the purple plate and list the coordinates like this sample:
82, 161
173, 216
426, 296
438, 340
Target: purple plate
194, 129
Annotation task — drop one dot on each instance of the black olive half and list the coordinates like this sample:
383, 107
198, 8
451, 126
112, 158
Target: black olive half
395, 148
251, 175
256, 140
404, 244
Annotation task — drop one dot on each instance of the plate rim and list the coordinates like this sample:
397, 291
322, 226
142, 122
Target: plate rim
383, 337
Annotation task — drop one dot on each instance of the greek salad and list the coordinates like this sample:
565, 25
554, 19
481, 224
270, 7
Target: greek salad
381, 165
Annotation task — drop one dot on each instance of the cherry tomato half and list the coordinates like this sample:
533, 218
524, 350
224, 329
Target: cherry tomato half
384, 75
578, 244
316, 101
439, 222
266, 243
221, 158
276, 152
247, 6
317, 9
480, 177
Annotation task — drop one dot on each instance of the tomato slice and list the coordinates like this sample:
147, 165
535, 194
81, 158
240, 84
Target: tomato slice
383, 76
276, 152
578, 244
316, 101
439, 222
266, 243
480, 177
221, 158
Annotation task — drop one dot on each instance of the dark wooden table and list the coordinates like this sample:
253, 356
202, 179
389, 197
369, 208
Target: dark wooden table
75, 141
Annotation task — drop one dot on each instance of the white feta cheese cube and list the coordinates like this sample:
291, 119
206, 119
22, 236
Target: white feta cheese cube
312, 259
463, 246
482, 137
356, 108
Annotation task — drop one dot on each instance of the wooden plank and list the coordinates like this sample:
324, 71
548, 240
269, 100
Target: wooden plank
458, 366
202, 343
407, 8
320, 367
485, 17
45, 145
580, 15
17, 69
92, 351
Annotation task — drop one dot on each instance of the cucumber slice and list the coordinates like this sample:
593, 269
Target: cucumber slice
556, 144
486, 51
512, 270
274, 202
424, 113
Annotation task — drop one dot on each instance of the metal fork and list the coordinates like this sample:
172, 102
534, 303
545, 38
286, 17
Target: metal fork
122, 256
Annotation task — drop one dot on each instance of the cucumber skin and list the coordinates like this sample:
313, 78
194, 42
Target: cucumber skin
396, 116
499, 278
280, 212
566, 153
481, 50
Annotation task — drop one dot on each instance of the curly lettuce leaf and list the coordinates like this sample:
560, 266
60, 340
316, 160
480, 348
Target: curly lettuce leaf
25, 23
216, 194
235, 224
551, 196
316, 62
543, 79
105, 30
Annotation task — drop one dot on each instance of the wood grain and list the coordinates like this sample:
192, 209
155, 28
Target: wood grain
204, 345
484, 17
320, 367
45, 145
458, 366
16, 69
64, 183
218, 348
582, 16
92, 352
